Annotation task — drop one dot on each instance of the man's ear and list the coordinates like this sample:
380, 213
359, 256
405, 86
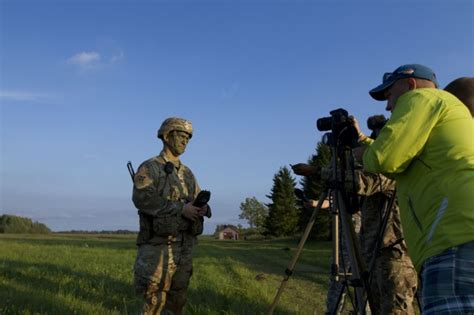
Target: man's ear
165, 138
411, 83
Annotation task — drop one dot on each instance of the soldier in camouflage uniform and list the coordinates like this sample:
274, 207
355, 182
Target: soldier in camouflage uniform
164, 191
393, 281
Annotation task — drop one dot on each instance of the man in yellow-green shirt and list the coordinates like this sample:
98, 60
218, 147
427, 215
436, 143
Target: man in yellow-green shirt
427, 146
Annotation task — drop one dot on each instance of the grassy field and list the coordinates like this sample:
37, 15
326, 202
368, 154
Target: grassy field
92, 274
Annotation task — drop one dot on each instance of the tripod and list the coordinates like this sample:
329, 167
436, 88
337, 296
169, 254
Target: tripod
292, 264
358, 274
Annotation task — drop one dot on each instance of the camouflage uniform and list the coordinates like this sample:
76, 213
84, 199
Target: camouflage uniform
163, 266
394, 279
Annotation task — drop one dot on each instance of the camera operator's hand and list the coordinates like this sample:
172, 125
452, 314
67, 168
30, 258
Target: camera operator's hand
304, 169
356, 125
190, 212
314, 203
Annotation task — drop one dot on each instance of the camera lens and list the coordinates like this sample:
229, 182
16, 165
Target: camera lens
324, 124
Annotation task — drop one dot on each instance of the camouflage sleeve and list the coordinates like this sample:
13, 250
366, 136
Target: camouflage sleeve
367, 184
197, 189
146, 196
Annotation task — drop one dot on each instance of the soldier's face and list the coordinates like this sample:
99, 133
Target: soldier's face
177, 141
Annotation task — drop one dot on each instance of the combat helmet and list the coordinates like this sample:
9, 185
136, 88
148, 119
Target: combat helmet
175, 123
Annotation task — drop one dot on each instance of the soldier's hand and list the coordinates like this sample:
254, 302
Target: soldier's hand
203, 211
304, 169
190, 212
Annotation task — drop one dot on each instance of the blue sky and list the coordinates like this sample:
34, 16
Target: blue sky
84, 86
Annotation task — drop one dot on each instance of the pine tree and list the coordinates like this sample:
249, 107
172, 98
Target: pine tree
313, 187
283, 213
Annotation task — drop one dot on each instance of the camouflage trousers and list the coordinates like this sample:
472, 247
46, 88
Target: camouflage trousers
161, 275
394, 282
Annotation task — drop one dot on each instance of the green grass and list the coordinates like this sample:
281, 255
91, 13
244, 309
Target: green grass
92, 274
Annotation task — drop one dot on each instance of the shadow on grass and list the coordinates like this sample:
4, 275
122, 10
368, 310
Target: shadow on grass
39, 294
205, 301
86, 287
16, 301
270, 258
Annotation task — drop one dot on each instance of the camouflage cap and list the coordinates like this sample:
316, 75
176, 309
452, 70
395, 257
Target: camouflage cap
175, 123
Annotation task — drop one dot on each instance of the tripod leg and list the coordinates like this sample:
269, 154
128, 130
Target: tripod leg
335, 247
299, 249
353, 249
338, 288
336, 297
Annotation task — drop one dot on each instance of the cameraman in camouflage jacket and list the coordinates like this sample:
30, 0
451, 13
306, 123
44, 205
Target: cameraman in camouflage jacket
164, 191
393, 279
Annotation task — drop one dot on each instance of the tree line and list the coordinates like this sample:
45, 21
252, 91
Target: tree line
285, 215
16, 224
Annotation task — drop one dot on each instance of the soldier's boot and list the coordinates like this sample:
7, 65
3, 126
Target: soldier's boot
176, 301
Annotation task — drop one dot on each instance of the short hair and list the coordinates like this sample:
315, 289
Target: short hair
463, 89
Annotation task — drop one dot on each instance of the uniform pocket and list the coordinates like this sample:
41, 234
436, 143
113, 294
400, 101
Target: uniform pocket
165, 225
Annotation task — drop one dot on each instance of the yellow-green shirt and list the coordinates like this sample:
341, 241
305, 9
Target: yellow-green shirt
427, 146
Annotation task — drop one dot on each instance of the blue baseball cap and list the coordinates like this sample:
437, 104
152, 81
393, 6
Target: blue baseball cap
405, 71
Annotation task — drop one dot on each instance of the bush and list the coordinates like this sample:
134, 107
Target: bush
20, 225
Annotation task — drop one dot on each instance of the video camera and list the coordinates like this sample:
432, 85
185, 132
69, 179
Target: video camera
375, 123
340, 125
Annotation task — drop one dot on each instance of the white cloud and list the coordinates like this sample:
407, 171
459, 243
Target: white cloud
24, 96
85, 60
93, 60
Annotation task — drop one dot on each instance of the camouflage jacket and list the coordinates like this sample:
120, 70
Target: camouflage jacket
376, 191
160, 194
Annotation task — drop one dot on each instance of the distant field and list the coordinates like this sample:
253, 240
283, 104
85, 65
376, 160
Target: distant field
92, 274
